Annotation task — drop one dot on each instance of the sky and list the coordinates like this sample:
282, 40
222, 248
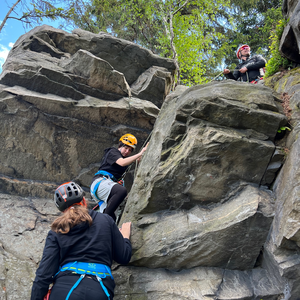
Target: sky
13, 29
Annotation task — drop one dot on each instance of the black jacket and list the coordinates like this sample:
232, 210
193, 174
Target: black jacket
253, 65
100, 243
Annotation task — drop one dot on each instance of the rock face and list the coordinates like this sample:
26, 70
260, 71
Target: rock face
197, 201
229, 236
290, 40
24, 224
282, 247
69, 95
206, 144
79, 64
205, 223
196, 283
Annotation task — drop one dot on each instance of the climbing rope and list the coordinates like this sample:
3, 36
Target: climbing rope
217, 76
136, 163
231, 72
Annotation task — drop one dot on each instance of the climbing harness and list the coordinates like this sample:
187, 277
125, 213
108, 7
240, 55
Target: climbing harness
256, 80
98, 270
105, 175
48, 293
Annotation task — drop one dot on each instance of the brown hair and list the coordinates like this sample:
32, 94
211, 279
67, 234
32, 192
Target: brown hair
122, 145
72, 216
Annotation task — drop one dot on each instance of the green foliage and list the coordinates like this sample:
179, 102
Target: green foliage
283, 129
200, 35
253, 20
187, 31
277, 61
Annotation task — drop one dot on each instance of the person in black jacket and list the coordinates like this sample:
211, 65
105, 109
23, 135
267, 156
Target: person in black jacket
107, 184
249, 69
80, 249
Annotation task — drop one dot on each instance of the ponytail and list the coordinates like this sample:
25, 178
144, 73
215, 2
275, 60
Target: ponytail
72, 216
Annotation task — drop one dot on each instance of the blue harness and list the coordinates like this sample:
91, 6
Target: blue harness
98, 270
105, 176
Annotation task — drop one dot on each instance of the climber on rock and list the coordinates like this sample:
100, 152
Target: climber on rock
107, 185
79, 251
250, 68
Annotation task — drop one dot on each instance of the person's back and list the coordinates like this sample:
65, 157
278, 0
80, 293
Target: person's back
92, 245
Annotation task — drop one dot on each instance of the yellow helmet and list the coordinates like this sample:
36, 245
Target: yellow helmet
129, 140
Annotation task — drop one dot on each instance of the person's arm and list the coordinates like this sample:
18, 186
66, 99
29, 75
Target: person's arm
256, 63
130, 159
48, 267
229, 75
237, 73
121, 243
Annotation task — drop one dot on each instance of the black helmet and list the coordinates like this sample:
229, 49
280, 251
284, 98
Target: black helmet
67, 194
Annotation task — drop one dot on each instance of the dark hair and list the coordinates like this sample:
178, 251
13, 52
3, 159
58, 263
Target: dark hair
122, 145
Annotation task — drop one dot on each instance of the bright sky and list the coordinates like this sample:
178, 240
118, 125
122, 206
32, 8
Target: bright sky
13, 29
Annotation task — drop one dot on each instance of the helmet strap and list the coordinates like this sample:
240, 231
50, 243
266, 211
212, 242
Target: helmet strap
82, 203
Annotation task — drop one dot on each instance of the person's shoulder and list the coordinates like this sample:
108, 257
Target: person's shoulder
257, 56
100, 217
115, 153
112, 150
52, 235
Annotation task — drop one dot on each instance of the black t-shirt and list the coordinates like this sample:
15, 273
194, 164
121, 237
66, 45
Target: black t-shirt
108, 163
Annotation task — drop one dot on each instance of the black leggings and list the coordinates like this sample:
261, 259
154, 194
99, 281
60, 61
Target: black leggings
115, 198
88, 288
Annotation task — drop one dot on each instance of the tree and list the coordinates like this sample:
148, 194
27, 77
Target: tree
254, 21
180, 29
37, 11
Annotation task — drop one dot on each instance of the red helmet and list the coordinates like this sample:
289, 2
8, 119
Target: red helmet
239, 49
67, 194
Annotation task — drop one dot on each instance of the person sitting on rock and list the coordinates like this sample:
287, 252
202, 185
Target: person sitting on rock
106, 186
79, 251
250, 68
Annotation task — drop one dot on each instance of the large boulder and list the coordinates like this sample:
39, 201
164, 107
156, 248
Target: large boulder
54, 139
197, 283
205, 143
24, 224
205, 161
65, 97
49, 60
290, 39
229, 236
281, 251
